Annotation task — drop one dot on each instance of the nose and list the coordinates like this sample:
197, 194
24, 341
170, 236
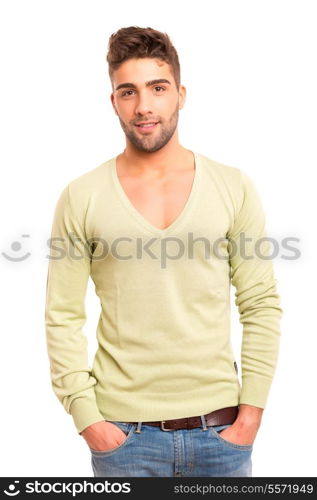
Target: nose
144, 104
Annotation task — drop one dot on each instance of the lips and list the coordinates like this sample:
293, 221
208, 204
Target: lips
147, 126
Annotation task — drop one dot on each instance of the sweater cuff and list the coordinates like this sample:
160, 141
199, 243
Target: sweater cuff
85, 412
255, 391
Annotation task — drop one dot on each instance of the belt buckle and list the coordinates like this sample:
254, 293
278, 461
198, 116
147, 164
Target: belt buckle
163, 428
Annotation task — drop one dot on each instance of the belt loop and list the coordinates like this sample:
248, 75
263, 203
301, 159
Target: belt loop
203, 421
138, 429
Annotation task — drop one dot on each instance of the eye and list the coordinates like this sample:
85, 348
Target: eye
124, 93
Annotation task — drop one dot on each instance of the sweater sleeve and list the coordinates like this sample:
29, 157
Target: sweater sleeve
252, 275
67, 280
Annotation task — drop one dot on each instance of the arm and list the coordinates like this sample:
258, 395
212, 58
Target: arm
67, 279
251, 273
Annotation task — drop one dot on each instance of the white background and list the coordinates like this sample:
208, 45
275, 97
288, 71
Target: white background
250, 72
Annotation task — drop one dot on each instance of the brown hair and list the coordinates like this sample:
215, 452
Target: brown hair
136, 42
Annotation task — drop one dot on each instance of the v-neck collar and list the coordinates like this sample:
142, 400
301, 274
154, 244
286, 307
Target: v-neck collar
180, 219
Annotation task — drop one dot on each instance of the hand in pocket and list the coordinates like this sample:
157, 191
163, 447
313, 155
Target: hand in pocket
103, 436
236, 435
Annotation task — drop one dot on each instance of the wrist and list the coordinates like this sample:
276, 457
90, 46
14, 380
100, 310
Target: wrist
249, 416
243, 424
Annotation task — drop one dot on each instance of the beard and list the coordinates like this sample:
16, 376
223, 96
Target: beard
155, 140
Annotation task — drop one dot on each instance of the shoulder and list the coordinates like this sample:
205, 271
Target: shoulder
81, 191
230, 180
87, 186
90, 181
230, 174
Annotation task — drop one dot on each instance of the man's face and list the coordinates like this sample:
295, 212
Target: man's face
138, 96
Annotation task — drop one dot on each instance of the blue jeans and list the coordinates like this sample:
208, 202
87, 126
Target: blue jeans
149, 451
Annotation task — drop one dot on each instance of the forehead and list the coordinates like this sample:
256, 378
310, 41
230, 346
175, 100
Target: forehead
141, 70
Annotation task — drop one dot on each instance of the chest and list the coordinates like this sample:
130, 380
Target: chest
160, 201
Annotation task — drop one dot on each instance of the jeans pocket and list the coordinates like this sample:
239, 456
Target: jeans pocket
127, 427
216, 429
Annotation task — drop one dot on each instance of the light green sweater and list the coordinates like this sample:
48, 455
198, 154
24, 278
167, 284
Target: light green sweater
164, 347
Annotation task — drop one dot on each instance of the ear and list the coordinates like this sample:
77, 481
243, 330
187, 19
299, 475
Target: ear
181, 96
113, 104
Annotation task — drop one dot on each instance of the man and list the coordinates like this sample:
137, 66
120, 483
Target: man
163, 231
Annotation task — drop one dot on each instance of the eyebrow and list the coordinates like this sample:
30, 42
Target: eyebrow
147, 84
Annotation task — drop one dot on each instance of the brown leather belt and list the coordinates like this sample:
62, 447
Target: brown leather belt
217, 417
